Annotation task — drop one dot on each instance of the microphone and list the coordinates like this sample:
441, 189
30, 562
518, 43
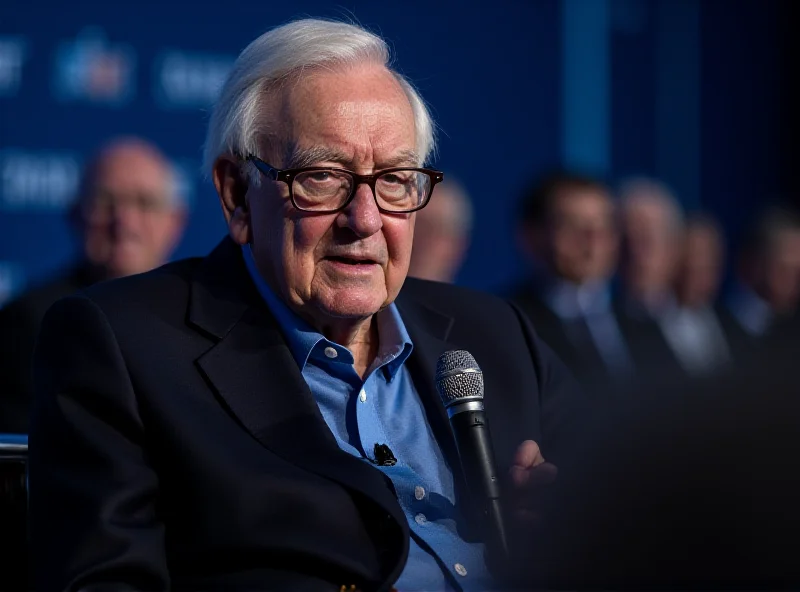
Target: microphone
459, 381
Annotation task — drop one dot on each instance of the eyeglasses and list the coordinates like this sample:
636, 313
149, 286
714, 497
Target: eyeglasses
327, 190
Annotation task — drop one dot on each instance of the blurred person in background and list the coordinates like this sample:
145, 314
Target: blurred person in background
702, 334
568, 234
652, 225
129, 219
769, 274
442, 234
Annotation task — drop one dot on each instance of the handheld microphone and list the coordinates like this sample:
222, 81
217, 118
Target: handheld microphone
459, 381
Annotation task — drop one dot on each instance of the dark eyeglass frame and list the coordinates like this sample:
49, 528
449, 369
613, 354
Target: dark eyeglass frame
288, 176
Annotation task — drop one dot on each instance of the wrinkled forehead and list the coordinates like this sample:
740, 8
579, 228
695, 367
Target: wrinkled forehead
358, 115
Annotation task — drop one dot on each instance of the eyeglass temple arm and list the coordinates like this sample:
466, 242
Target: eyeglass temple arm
262, 166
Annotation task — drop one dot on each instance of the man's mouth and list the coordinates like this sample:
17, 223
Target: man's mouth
352, 260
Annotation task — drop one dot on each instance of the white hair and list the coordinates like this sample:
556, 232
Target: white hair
237, 121
646, 191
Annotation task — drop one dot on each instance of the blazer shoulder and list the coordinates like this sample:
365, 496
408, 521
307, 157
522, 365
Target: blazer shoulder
450, 298
163, 287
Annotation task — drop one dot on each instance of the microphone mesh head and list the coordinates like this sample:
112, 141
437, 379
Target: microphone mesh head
458, 376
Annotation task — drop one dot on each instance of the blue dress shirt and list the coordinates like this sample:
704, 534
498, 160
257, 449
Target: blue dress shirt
384, 408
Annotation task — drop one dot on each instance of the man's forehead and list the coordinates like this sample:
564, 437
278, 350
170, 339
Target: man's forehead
132, 172
326, 107
300, 155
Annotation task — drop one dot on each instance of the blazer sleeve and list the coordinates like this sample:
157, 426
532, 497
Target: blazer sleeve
93, 522
563, 406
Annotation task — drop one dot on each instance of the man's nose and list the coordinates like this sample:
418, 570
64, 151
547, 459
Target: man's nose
361, 215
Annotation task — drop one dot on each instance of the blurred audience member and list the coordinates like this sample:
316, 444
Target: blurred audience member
129, 219
701, 264
769, 273
568, 232
703, 335
442, 234
652, 226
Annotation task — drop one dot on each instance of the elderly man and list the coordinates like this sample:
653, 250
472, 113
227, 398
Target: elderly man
228, 422
129, 219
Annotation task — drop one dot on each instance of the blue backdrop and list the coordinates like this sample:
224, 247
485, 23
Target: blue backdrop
662, 87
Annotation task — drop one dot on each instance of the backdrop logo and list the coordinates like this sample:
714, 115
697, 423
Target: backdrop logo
37, 180
91, 69
189, 80
12, 55
11, 281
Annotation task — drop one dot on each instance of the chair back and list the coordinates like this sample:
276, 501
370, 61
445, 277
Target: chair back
14, 512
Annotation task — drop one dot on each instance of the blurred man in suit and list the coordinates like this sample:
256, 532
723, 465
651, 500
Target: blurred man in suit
265, 418
652, 225
768, 293
652, 230
442, 234
129, 218
703, 335
569, 234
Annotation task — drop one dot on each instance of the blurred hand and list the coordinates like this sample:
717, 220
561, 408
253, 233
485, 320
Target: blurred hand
530, 474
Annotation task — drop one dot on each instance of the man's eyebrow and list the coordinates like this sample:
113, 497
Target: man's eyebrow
402, 158
299, 157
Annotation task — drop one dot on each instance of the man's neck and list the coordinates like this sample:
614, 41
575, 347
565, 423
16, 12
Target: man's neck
359, 336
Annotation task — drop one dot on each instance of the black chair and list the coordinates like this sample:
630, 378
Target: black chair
13, 512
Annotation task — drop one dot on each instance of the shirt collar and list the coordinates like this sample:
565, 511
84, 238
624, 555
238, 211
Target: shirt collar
752, 311
306, 343
569, 300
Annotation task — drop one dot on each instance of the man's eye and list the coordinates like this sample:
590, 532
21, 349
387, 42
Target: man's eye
319, 176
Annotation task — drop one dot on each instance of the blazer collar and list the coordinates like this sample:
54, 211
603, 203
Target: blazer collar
430, 330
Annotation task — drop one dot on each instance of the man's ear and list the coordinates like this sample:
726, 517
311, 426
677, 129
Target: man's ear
231, 184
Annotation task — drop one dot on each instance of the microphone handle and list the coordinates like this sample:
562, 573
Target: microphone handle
475, 450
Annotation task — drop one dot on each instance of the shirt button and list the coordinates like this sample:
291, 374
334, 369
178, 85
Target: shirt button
363, 395
460, 569
421, 519
331, 352
419, 492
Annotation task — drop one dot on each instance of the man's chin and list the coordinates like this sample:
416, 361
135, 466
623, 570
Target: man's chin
125, 266
351, 303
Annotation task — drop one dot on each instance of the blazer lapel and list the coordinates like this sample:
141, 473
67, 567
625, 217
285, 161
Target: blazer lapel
252, 370
429, 330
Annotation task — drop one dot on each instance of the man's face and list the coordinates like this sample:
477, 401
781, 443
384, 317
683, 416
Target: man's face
129, 225
782, 271
352, 263
701, 270
652, 248
440, 238
583, 239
